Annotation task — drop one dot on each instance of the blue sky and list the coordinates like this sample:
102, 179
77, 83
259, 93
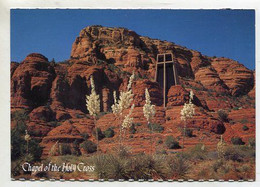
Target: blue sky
227, 33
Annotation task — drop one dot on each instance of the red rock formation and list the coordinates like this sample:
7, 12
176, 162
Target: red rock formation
42, 113
210, 79
201, 120
155, 91
252, 92
65, 133
31, 82
239, 118
237, 77
14, 65
55, 93
132, 50
177, 96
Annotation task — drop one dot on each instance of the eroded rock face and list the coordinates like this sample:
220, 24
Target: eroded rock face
42, 113
14, 65
31, 82
237, 77
210, 79
139, 92
177, 96
201, 120
125, 48
252, 92
55, 94
65, 133
87, 45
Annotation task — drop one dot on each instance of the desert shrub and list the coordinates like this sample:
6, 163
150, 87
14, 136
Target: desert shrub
161, 151
16, 168
118, 168
137, 124
156, 127
198, 152
186, 155
102, 114
132, 129
144, 166
159, 141
124, 152
164, 151
141, 166
251, 142
233, 153
52, 62
66, 62
85, 136
222, 115
243, 121
222, 167
35, 149
138, 76
244, 168
112, 67
17, 141
247, 151
108, 166
203, 172
217, 164
101, 62
20, 115
19, 145
89, 146
236, 108
79, 116
54, 123
109, 133
75, 146
99, 132
137, 167
213, 155
178, 166
188, 132
245, 128
237, 141
64, 149
171, 143
232, 122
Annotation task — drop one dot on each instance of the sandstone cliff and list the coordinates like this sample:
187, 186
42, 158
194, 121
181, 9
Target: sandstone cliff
54, 93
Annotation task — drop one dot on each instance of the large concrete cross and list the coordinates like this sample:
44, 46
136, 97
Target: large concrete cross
166, 73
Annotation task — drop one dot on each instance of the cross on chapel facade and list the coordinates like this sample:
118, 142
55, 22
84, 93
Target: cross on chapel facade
166, 73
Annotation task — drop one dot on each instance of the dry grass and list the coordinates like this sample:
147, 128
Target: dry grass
195, 163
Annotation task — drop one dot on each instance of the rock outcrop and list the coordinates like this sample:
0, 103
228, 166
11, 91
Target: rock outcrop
237, 77
177, 96
54, 93
31, 82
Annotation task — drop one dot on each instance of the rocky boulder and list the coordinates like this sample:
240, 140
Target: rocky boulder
177, 96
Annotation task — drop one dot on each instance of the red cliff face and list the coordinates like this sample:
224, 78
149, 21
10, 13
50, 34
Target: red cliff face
31, 82
55, 93
237, 77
